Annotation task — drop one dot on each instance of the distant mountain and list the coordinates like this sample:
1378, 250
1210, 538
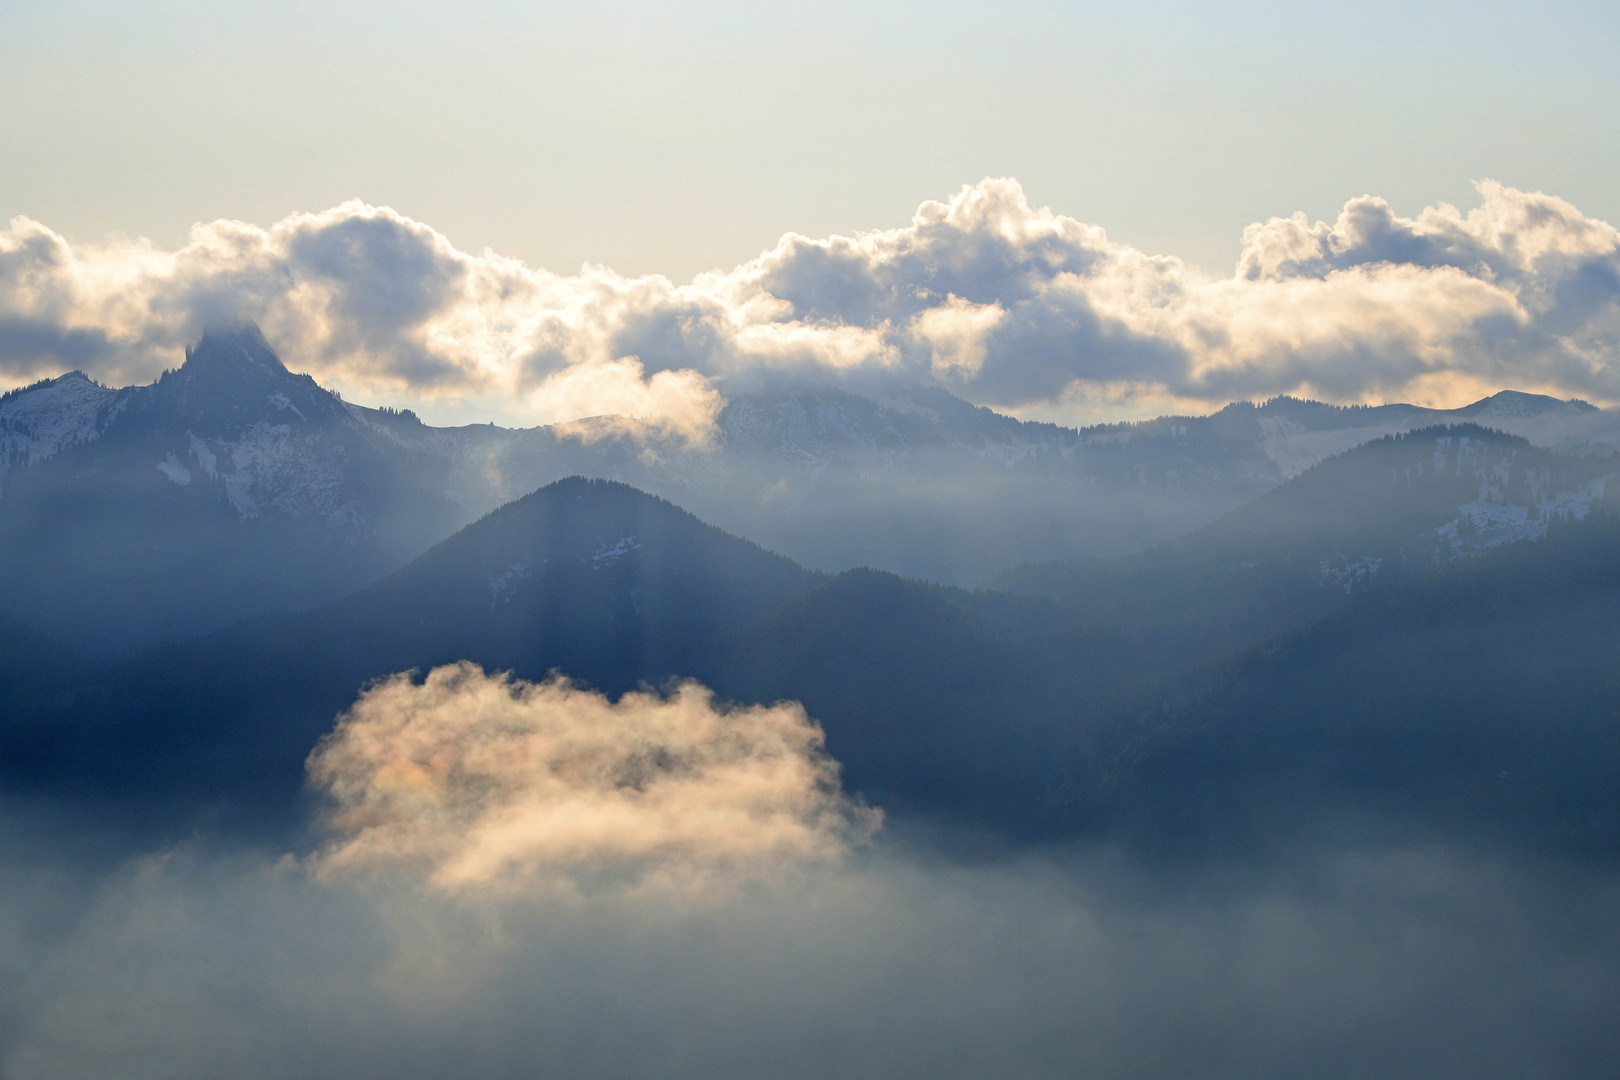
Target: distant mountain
922, 483
925, 485
607, 584
228, 487
1297, 434
1482, 700
1084, 705
1402, 504
232, 487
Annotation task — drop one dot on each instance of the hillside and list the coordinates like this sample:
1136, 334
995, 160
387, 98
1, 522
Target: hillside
232, 487
1132, 693
1484, 699
608, 584
227, 488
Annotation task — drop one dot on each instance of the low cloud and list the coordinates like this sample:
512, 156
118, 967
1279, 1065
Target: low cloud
493, 903
489, 782
1007, 304
612, 398
1377, 961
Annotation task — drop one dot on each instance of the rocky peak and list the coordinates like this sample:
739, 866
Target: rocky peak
235, 352
232, 381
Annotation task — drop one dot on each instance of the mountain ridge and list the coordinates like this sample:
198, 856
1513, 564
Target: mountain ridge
1036, 715
232, 486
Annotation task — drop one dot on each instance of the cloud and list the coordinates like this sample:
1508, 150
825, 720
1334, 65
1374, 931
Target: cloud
1358, 961
1005, 303
528, 879
488, 781
613, 398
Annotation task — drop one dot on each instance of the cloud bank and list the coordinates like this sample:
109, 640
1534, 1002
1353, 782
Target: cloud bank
1006, 304
489, 782
430, 937
1381, 961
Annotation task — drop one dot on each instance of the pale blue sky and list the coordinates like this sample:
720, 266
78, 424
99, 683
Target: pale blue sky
673, 138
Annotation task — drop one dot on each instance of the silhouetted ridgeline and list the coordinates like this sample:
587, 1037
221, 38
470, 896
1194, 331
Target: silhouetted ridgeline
233, 487
1338, 643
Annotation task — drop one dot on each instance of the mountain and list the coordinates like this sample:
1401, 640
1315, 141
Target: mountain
1297, 434
1482, 700
1402, 504
1386, 515
233, 487
1087, 704
943, 698
921, 483
228, 487
610, 585
925, 485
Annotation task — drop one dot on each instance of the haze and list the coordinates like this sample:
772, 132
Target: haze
733, 541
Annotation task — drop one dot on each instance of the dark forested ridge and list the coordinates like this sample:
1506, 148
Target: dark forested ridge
1487, 696
610, 585
1223, 683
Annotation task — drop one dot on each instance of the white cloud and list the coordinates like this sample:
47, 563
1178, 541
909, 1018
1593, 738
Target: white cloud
1007, 304
488, 781
956, 331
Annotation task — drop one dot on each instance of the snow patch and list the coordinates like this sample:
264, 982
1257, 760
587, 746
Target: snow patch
270, 469
1339, 571
611, 554
1488, 522
500, 583
1484, 524
281, 401
205, 457
172, 467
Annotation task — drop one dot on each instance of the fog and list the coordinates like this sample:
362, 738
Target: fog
1348, 960
518, 879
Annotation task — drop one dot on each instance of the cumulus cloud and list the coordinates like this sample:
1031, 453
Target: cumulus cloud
1007, 304
485, 781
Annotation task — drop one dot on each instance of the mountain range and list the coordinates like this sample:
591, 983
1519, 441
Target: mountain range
1341, 639
232, 487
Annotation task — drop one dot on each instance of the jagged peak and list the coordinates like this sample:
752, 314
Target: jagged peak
233, 379
239, 347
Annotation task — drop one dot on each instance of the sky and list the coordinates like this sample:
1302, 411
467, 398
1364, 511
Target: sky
675, 140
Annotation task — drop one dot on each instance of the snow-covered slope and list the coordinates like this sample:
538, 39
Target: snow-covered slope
1517, 501
226, 488
38, 421
1410, 503
1404, 506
